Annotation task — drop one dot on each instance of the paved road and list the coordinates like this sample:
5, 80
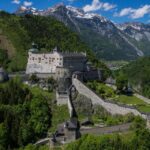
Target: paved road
95, 131
106, 130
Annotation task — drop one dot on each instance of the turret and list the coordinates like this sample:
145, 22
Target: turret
56, 49
34, 48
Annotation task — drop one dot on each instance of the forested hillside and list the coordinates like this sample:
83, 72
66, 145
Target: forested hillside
138, 73
24, 116
17, 33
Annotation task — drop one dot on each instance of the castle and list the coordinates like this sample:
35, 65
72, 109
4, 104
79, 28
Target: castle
54, 64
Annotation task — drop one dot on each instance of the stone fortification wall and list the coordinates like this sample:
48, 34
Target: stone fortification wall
43, 63
62, 99
110, 107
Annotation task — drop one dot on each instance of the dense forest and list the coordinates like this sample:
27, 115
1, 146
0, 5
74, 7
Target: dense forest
24, 116
138, 74
18, 32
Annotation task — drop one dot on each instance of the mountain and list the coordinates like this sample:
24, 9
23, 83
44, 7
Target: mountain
139, 33
27, 10
17, 34
108, 40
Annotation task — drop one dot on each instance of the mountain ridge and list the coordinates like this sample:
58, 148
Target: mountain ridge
109, 41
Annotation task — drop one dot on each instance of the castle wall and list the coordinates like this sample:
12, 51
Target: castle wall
43, 63
74, 63
62, 99
110, 107
60, 64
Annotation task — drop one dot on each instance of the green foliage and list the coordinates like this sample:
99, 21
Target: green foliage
106, 142
33, 147
3, 58
52, 84
59, 115
33, 78
101, 89
24, 116
138, 73
121, 82
3, 136
129, 141
138, 124
100, 115
133, 100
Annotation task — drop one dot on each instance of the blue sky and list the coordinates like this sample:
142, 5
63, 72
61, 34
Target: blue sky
115, 10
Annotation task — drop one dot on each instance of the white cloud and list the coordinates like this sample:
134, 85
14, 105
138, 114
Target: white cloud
16, 1
134, 13
124, 12
97, 5
27, 3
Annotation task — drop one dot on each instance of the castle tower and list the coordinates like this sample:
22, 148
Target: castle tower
34, 48
56, 49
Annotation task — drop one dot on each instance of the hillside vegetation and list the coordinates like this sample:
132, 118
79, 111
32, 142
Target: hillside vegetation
27, 114
17, 33
138, 74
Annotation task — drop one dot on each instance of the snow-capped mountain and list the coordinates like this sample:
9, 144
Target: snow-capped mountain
28, 10
136, 30
109, 41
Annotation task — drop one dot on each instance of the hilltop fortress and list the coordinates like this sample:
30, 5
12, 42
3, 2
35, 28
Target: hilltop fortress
59, 64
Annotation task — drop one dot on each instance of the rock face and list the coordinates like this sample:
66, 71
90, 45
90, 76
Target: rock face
3, 75
138, 32
109, 41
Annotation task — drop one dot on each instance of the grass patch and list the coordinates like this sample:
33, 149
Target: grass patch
144, 108
37, 91
60, 114
129, 100
101, 89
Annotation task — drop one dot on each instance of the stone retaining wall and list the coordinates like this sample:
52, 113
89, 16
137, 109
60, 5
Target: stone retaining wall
110, 107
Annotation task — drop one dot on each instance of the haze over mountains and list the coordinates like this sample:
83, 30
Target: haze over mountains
109, 41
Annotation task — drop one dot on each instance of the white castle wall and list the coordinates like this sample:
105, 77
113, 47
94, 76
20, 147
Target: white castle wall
43, 63
110, 107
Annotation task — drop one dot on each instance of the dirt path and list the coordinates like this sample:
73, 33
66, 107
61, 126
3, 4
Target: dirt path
106, 130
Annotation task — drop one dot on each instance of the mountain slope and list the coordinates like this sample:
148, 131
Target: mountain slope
100, 34
139, 33
19, 32
108, 40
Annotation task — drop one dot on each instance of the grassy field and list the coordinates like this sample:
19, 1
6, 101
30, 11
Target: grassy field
108, 93
144, 108
129, 100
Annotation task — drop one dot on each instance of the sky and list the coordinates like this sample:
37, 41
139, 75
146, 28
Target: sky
116, 10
